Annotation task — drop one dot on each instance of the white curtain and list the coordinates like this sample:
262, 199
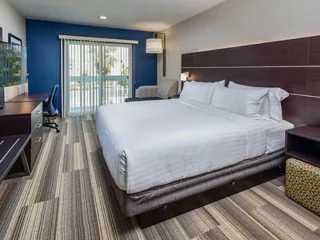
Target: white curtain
94, 73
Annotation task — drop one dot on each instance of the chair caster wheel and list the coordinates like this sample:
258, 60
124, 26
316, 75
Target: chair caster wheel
58, 130
56, 125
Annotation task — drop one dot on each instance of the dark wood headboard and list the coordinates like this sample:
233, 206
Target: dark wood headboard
293, 65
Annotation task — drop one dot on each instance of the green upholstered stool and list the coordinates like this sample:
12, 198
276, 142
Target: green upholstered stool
303, 184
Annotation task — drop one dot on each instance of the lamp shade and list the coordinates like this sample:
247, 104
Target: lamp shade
184, 76
154, 45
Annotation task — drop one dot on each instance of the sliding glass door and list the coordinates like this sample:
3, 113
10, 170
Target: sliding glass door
96, 73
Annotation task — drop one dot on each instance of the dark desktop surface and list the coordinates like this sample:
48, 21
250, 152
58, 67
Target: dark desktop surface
27, 97
18, 108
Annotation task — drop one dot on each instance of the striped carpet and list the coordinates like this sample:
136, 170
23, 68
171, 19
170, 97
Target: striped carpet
68, 197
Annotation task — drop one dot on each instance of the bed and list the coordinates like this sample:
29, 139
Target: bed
158, 152
292, 65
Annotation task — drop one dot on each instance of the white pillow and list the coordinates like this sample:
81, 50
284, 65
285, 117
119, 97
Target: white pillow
222, 83
248, 103
272, 106
200, 92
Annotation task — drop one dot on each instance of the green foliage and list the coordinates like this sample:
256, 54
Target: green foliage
124, 72
12, 62
123, 83
108, 61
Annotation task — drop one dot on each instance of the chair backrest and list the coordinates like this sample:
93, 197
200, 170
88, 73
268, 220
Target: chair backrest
167, 88
51, 108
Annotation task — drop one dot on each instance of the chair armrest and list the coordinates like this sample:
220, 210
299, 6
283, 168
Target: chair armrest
146, 91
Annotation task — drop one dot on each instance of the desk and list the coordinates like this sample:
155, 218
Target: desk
23, 115
27, 97
17, 109
11, 148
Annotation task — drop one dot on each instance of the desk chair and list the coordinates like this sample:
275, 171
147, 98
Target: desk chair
50, 111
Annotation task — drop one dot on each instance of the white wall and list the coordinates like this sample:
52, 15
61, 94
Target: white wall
11, 22
240, 22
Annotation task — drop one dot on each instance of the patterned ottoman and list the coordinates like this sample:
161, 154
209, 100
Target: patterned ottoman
303, 184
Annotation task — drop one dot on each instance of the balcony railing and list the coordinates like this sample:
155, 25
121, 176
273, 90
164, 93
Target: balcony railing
87, 92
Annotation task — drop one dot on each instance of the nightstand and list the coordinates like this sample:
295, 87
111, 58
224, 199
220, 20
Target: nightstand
302, 170
303, 143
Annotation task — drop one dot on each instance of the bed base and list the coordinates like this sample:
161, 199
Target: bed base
162, 202
188, 204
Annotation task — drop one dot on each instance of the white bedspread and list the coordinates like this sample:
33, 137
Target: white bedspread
149, 144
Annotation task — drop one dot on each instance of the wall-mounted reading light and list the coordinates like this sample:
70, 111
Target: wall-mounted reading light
157, 45
183, 78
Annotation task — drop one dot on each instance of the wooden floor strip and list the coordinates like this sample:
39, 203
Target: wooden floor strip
69, 196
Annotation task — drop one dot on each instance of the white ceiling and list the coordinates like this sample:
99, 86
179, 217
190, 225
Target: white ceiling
147, 15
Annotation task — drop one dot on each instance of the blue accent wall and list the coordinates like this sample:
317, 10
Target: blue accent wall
43, 48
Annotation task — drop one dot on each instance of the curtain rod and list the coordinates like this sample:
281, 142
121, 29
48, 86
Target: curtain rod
65, 37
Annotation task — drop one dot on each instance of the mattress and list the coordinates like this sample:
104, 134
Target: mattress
150, 144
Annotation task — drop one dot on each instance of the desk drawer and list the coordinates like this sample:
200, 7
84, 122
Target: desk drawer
36, 143
36, 116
